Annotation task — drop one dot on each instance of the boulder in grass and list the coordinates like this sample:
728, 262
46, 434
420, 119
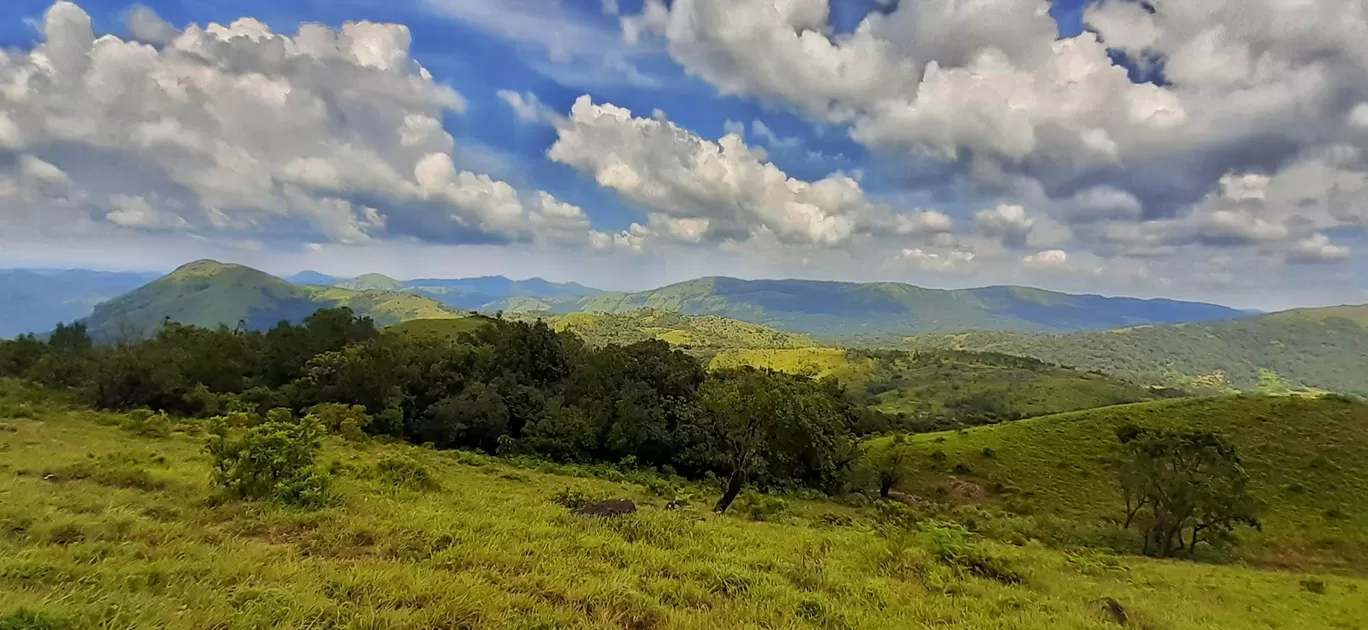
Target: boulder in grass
614, 507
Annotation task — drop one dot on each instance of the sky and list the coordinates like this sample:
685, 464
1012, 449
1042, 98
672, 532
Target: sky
1198, 149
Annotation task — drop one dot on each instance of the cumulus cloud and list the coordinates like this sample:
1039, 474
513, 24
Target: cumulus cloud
725, 189
1317, 248
227, 130
1049, 260
951, 261
1007, 222
1256, 137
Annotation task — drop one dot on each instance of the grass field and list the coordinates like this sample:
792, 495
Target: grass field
1307, 458
104, 526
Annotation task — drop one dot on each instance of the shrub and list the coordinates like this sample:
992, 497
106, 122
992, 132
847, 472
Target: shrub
274, 460
405, 474
574, 498
146, 423
761, 507
1313, 586
952, 545
348, 421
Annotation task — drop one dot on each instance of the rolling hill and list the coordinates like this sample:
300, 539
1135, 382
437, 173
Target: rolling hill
483, 293
32, 301
944, 389
1307, 458
834, 310
209, 293
1321, 348
690, 332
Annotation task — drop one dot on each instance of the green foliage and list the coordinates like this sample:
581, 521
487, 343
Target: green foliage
404, 473
575, 499
146, 423
348, 421
273, 460
761, 507
1183, 483
699, 332
883, 466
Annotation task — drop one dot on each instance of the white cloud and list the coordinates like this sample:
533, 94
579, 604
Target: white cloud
529, 109
952, 261
224, 130
675, 173
1049, 260
1007, 222
1317, 248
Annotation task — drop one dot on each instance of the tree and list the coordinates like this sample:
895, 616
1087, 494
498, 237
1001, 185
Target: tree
782, 427
886, 465
1185, 487
475, 418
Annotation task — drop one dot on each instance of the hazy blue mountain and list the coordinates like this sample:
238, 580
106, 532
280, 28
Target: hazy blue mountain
834, 310
313, 277
34, 300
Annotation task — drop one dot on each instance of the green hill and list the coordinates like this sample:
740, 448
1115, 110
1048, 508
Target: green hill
1307, 458
693, 332
208, 293
120, 528
939, 389
1307, 348
371, 282
840, 309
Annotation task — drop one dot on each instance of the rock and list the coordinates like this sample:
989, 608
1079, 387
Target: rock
1111, 609
614, 507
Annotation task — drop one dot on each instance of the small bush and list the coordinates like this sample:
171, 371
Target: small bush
145, 423
274, 460
405, 474
761, 507
575, 499
832, 519
892, 516
989, 453
1313, 586
348, 421
952, 546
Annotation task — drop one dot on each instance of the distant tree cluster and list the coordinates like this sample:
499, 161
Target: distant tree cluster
507, 387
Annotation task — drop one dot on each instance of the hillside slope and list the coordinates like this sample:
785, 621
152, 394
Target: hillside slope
838, 309
208, 293
1305, 348
106, 528
32, 301
1307, 458
944, 389
690, 332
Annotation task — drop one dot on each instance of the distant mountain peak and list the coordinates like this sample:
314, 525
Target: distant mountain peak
372, 282
202, 267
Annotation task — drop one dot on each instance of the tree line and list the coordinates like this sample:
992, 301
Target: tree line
508, 387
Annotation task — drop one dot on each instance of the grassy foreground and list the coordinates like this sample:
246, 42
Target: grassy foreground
103, 526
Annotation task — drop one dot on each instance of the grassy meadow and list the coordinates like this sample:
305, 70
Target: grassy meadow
1307, 458
107, 521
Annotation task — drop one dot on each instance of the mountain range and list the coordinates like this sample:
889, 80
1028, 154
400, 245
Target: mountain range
835, 310
213, 293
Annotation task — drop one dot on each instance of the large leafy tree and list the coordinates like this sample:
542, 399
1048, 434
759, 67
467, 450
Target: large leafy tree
1183, 488
771, 427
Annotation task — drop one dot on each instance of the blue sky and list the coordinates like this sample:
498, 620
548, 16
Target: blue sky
942, 143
